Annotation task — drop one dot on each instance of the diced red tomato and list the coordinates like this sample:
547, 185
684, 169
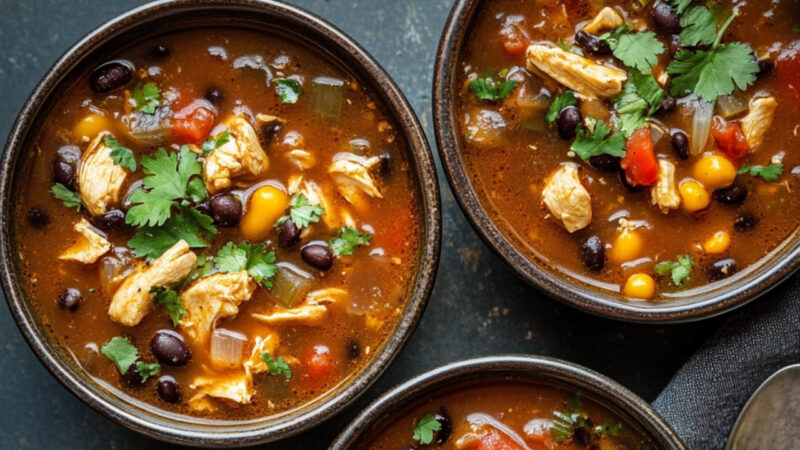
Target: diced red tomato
192, 124
319, 363
730, 139
495, 440
788, 68
514, 44
639, 163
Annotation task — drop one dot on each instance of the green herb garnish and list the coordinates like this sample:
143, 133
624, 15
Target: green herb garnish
636, 50
122, 156
212, 144
608, 428
678, 270
147, 370
255, 259
121, 352
170, 300
769, 173
302, 212
288, 90
190, 225
276, 366
147, 98
68, 198
561, 102
424, 429
638, 101
598, 141
488, 89
349, 238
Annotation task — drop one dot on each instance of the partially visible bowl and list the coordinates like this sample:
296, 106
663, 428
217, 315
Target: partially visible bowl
154, 18
548, 371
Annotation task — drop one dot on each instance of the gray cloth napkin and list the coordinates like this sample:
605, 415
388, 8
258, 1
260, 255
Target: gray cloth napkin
704, 398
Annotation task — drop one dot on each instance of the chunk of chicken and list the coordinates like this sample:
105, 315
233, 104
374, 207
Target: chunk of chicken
334, 217
211, 298
302, 159
261, 344
312, 311
237, 389
352, 174
587, 78
133, 300
567, 199
90, 246
665, 193
607, 19
238, 162
100, 180
758, 121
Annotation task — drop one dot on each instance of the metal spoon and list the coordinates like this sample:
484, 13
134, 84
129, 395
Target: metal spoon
771, 418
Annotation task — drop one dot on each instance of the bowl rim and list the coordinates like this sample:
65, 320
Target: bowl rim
558, 285
334, 45
515, 367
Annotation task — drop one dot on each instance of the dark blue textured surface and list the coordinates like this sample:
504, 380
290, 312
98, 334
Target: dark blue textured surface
479, 307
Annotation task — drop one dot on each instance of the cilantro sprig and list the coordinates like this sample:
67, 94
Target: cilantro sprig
147, 370
122, 156
678, 270
636, 50
638, 101
566, 422
255, 259
424, 429
699, 27
301, 212
487, 88
169, 300
147, 98
68, 198
121, 352
561, 102
349, 238
288, 90
276, 366
769, 173
214, 143
189, 225
598, 141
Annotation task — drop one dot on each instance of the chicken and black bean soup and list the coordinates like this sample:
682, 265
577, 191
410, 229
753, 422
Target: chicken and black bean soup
508, 415
219, 222
644, 147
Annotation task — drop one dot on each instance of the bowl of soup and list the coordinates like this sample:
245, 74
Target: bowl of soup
220, 232
509, 402
613, 159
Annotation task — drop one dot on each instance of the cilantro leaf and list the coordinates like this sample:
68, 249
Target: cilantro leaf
679, 270
680, 5
561, 102
152, 242
122, 156
170, 301
147, 370
288, 90
769, 173
214, 143
489, 89
565, 423
562, 44
276, 366
636, 50
608, 428
699, 27
255, 259
147, 98
68, 198
424, 429
302, 212
598, 142
639, 100
121, 352
347, 241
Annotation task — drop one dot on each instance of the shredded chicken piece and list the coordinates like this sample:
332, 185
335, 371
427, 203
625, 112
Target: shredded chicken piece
90, 246
587, 78
100, 180
352, 174
606, 19
567, 199
211, 298
665, 193
236, 389
303, 159
238, 162
133, 299
758, 121
261, 344
313, 309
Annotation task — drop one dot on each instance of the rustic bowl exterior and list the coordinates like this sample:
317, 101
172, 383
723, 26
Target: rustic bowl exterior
154, 18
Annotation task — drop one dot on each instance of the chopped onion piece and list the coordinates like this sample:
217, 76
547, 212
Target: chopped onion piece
701, 126
291, 284
656, 132
326, 97
227, 347
114, 267
731, 105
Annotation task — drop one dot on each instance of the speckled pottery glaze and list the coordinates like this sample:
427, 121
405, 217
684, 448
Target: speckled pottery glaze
162, 16
549, 371
780, 263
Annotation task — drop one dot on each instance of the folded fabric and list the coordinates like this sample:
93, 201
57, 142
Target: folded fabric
705, 396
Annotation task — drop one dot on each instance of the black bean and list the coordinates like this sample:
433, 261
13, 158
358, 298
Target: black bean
385, 168
443, 435
65, 174
765, 66
132, 377
226, 210
159, 51
288, 234
745, 222
680, 144
69, 154
269, 130
568, 120
605, 162
168, 347
70, 299
318, 256
111, 75
674, 45
353, 348
168, 389
593, 254
722, 269
203, 208
38, 218
734, 194
666, 19
214, 95
111, 221
591, 44
582, 437
668, 104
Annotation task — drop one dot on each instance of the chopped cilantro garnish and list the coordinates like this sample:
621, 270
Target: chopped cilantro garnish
424, 429
190, 225
561, 102
796, 28
122, 156
639, 100
562, 44
636, 50
170, 301
302, 212
68, 198
349, 238
488, 89
147, 98
768, 173
121, 352
680, 5
288, 90
699, 27
679, 271
214, 143
599, 141
147, 370
608, 428
276, 366
565, 423
255, 259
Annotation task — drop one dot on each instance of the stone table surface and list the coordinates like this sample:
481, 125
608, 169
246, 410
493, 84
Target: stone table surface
479, 306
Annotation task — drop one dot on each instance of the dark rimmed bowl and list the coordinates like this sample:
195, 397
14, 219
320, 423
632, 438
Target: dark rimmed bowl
550, 371
696, 304
283, 20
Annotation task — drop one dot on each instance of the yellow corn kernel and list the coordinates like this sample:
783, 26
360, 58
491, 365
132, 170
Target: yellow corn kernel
266, 206
717, 243
626, 247
714, 171
694, 197
640, 285
90, 126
